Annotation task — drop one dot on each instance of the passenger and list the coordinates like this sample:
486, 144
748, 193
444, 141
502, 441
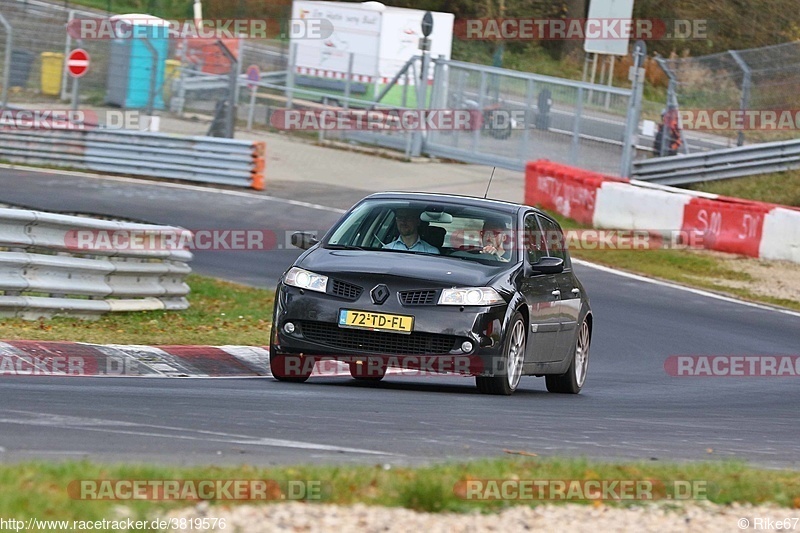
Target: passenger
495, 238
408, 222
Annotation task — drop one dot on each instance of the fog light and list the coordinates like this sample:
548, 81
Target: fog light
288, 328
466, 346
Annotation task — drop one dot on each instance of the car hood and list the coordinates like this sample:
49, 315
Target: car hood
425, 270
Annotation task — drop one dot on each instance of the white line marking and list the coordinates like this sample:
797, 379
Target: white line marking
95, 424
184, 186
699, 292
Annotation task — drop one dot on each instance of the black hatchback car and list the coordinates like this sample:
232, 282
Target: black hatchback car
438, 283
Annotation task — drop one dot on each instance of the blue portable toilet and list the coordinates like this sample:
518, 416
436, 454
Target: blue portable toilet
132, 71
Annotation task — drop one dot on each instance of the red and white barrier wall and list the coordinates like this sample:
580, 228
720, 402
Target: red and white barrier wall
733, 225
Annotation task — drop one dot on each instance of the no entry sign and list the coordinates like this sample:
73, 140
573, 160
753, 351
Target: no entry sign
78, 63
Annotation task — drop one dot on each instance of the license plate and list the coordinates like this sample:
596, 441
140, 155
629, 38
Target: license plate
349, 318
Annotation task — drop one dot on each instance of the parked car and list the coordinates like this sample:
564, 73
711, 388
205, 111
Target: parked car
478, 287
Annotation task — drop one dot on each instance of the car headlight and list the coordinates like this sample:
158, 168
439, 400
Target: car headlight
303, 279
470, 296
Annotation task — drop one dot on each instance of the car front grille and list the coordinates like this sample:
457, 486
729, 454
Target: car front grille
415, 343
345, 290
418, 297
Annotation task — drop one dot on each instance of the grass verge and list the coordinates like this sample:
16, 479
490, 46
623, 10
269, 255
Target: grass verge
779, 188
40, 490
220, 313
696, 268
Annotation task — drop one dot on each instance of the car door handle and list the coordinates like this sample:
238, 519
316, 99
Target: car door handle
576, 292
556, 293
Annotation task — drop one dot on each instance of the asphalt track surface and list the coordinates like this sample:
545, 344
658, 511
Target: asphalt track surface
630, 408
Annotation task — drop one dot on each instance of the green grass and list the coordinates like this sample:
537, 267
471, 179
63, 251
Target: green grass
220, 313
38, 489
779, 188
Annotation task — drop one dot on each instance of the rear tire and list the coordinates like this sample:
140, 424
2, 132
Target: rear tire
506, 381
290, 368
572, 381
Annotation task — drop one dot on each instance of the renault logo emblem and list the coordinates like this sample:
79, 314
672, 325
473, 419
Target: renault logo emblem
379, 294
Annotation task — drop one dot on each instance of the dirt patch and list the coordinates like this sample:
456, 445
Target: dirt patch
775, 279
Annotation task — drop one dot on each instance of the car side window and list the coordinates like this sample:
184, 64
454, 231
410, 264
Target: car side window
534, 243
553, 238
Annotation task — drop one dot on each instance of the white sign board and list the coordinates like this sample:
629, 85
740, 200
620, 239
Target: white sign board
609, 27
355, 30
381, 39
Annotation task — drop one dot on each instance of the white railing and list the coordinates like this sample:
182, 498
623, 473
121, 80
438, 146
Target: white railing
54, 264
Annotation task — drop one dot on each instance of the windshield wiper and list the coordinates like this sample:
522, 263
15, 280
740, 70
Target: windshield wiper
345, 247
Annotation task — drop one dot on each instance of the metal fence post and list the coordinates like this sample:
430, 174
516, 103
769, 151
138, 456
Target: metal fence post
348, 81
230, 126
7, 65
634, 108
574, 145
744, 102
67, 49
526, 132
290, 75
476, 134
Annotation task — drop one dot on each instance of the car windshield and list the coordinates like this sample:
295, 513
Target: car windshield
434, 228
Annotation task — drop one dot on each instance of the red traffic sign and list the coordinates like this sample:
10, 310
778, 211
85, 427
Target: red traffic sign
78, 63
253, 75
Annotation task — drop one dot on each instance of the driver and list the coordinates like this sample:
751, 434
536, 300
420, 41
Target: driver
408, 226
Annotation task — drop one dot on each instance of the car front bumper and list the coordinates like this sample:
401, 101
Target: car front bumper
437, 341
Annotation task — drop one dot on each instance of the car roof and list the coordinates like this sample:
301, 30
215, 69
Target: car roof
500, 205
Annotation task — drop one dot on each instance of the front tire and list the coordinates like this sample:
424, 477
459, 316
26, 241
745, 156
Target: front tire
572, 381
290, 368
506, 381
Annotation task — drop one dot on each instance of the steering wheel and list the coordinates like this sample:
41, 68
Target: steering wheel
471, 248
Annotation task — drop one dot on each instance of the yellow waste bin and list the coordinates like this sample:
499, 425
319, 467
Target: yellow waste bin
52, 70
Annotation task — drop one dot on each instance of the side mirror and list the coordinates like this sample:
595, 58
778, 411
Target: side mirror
304, 241
548, 265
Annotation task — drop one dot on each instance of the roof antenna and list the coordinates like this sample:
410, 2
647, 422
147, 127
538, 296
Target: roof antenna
490, 183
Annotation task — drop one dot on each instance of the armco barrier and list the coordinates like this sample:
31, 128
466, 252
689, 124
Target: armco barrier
201, 159
731, 225
43, 271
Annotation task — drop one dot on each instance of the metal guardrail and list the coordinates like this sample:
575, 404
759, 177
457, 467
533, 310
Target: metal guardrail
45, 271
748, 160
194, 80
201, 159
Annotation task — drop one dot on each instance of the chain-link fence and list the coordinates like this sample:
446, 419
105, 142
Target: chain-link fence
755, 81
517, 116
153, 74
527, 117
513, 117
